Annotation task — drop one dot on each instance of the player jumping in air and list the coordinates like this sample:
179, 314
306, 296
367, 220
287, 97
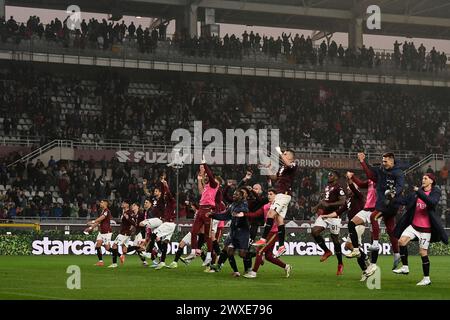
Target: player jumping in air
164, 232
284, 179
328, 210
365, 215
211, 196
140, 232
355, 204
389, 179
267, 250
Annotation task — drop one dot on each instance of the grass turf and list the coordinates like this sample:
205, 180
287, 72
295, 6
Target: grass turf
44, 277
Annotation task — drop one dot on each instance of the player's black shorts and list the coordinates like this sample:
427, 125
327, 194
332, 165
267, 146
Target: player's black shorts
240, 239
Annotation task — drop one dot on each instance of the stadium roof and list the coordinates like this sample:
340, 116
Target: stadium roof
410, 18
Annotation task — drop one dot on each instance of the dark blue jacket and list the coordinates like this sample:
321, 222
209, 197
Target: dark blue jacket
385, 180
432, 200
236, 222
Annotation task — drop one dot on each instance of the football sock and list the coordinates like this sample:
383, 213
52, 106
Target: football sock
164, 251
253, 231
267, 228
151, 244
222, 258
353, 234
178, 254
281, 234
99, 254
362, 260
321, 242
233, 263
425, 266
132, 248
338, 251
115, 254
374, 256
404, 255
216, 247
141, 256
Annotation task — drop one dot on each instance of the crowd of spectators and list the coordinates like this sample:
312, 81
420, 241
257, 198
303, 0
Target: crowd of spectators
341, 117
74, 188
295, 49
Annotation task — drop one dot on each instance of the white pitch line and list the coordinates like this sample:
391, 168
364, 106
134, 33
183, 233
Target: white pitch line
32, 295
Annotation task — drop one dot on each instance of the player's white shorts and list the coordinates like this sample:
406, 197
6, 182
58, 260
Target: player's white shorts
165, 230
334, 224
359, 231
138, 239
121, 240
152, 223
364, 215
187, 238
424, 237
281, 203
105, 237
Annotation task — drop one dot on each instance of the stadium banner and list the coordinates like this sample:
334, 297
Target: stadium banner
166, 157
78, 247
48, 244
54, 242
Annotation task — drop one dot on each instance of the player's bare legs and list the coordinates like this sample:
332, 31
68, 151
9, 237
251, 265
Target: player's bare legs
124, 252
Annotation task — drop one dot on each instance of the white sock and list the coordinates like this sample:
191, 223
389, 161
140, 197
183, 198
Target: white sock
426, 278
375, 243
193, 251
208, 255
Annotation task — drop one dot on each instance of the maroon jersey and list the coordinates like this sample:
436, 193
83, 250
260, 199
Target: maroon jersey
332, 194
105, 224
170, 206
285, 178
127, 222
142, 215
354, 203
158, 207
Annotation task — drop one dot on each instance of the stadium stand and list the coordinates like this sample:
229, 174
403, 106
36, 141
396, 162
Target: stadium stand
130, 40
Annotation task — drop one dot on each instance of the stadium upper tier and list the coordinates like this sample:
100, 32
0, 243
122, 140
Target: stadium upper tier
289, 51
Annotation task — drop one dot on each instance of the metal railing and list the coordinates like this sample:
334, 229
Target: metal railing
37, 152
166, 51
424, 161
121, 145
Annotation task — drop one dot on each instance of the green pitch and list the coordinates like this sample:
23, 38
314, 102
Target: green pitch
44, 277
